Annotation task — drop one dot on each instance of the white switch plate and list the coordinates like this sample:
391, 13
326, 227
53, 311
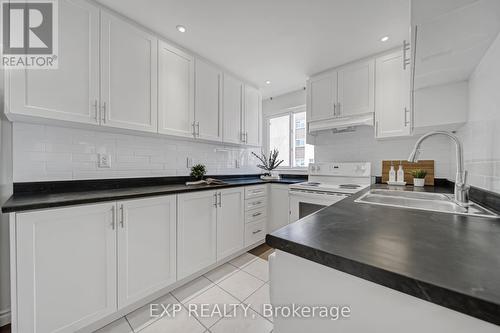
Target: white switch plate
103, 161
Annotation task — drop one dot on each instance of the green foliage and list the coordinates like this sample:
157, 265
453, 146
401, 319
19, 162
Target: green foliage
198, 171
269, 163
418, 173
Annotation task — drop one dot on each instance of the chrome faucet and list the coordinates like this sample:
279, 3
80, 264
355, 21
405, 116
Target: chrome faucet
461, 187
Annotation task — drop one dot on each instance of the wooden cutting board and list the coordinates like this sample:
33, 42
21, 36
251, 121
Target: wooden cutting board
427, 165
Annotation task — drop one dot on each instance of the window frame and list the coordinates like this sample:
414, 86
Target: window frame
290, 112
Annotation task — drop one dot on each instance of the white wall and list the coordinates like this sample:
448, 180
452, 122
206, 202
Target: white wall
281, 103
481, 134
43, 152
5, 192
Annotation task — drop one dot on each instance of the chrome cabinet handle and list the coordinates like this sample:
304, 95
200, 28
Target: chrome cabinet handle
198, 129
215, 198
406, 61
220, 199
104, 112
256, 231
376, 128
95, 110
122, 223
407, 122
256, 214
194, 129
334, 109
256, 203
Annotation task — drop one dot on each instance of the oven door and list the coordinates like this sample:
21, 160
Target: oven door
303, 203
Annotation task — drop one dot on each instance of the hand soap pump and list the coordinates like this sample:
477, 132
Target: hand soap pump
401, 173
392, 174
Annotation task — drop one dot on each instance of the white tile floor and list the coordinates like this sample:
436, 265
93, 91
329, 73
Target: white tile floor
244, 280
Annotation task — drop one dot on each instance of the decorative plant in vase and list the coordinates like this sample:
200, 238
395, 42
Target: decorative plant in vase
198, 171
269, 163
418, 177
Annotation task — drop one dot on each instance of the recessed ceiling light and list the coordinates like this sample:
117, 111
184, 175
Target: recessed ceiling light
181, 28
268, 82
384, 39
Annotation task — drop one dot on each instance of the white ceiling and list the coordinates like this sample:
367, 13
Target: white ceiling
283, 41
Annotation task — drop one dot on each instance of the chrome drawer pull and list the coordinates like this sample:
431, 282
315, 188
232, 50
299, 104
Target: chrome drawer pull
256, 232
256, 214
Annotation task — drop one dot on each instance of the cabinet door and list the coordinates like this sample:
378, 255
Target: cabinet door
176, 91
196, 232
128, 76
230, 222
146, 247
71, 92
207, 102
321, 96
66, 267
356, 89
253, 107
232, 108
392, 110
280, 211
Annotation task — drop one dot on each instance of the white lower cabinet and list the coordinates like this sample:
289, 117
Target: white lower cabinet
230, 222
65, 268
279, 211
146, 247
74, 266
196, 232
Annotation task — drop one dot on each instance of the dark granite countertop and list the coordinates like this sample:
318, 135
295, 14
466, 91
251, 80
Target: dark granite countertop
450, 260
33, 200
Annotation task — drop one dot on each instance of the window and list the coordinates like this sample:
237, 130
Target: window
287, 133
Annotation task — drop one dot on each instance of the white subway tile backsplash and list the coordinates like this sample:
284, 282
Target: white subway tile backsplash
361, 145
43, 152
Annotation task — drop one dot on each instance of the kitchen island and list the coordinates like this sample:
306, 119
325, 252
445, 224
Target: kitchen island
397, 269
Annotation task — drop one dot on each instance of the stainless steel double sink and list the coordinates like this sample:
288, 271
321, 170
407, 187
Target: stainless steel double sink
436, 202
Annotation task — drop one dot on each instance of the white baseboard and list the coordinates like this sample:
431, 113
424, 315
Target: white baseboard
4, 317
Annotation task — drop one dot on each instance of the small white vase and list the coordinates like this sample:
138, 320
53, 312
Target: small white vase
419, 182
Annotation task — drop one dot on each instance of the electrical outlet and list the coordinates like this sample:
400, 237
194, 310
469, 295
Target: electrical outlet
103, 161
189, 162
237, 164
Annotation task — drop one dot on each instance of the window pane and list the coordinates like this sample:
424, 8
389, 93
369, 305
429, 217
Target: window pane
279, 137
303, 154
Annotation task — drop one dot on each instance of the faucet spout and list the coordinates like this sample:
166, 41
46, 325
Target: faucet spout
461, 187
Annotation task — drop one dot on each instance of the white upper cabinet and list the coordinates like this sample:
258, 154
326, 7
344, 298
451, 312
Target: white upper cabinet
175, 91
230, 222
252, 119
196, 232
208, 115
322, 96
356, 84
232, 109
146, 247
128, 76
392, 109
65, 268
71, 92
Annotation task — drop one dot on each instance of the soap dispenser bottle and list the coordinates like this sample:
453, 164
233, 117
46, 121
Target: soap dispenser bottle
392, 174
401, 173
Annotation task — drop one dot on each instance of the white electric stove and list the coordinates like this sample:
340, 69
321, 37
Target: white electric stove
327, 184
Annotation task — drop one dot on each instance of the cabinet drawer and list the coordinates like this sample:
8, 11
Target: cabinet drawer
255, 203
255, 191
255, 232
255, 214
